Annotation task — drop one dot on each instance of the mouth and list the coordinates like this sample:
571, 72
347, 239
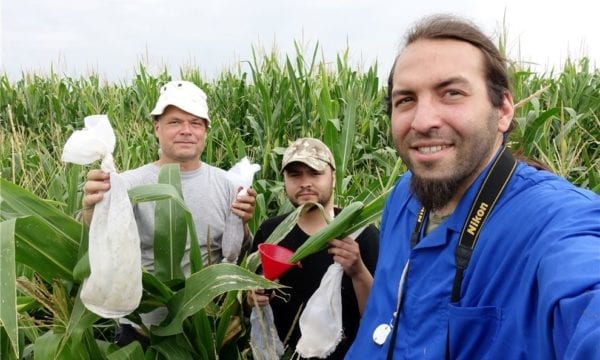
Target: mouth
427, 150
306, 194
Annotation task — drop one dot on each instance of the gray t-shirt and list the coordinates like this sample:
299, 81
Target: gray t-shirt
207, 193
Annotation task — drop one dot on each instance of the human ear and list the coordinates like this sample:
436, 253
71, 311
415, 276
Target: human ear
506, 111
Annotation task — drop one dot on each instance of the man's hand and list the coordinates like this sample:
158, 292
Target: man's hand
347, 253
244, 205
93, 192
257, 297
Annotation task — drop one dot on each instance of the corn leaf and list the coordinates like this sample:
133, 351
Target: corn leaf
369, 214
174, 348
44, 249
203, 286
80, 322
8, 304
319, 240
132, 351
154, 192
16, 201
170, 231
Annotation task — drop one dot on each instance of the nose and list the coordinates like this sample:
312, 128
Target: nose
426, 116
305, 182
185, 127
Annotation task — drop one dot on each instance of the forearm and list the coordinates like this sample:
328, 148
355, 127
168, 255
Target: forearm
361, 283
87, 214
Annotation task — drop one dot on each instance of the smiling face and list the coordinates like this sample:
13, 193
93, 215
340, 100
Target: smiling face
304, 184
443, 123
181, 136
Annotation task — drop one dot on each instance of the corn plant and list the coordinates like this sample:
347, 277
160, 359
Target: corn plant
38, 235
257, 108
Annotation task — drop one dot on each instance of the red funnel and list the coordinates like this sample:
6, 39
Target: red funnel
274, 260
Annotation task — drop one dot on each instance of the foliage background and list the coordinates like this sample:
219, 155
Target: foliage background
257, 112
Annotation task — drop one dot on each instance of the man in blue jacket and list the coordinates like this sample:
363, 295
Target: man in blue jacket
481, 256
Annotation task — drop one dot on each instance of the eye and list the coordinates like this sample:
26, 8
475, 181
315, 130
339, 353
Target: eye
402, 101
452, 93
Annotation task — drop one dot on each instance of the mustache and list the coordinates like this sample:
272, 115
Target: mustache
305, 192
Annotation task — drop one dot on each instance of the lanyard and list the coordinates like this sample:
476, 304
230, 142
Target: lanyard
492, 187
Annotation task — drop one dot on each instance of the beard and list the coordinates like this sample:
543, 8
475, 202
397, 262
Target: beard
434, 194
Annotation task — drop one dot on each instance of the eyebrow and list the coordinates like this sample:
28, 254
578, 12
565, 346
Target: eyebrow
455, 80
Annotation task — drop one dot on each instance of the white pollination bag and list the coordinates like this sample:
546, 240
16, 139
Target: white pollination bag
240, 174
114, 287
321, 321
264, 341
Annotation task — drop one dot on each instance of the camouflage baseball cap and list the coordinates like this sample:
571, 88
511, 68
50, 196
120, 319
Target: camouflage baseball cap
309, 151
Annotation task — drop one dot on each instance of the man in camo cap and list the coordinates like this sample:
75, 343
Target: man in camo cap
309, 151
308, 171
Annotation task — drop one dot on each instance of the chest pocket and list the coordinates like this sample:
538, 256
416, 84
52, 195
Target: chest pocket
472, 330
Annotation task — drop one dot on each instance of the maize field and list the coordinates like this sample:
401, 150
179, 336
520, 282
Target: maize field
256, 109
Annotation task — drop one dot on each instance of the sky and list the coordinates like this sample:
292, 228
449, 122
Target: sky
113, 37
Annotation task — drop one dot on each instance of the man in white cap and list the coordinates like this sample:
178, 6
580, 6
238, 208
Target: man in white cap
309, 176
181, 124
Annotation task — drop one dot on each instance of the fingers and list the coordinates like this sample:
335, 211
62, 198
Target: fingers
244, 205
97, 183
257, 297
346, 252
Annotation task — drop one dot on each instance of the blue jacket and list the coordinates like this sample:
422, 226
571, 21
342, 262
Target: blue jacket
531, 290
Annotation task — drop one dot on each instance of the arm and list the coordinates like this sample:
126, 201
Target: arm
96, 185
569, 278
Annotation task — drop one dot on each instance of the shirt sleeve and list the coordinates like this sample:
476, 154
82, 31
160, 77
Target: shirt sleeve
569, 284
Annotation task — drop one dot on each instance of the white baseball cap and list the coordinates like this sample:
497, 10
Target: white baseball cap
185, 95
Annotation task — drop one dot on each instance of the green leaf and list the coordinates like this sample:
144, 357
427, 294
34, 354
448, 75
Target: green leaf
154, 192
43, 249
345, 143
81, 320
16, 201
203, 286
82, 268
230, 307
8, 303
370, 213
170, 233
46, 346
156, 287
132, 351
319, 240
174, 348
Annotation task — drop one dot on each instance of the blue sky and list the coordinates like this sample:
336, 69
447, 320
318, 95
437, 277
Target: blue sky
111, 37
